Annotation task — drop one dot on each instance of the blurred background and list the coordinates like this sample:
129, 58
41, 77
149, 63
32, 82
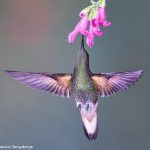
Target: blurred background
33, 37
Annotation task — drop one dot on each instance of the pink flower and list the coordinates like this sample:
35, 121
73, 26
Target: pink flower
90, 40
94, 30
96, 16
80, 28
101, 17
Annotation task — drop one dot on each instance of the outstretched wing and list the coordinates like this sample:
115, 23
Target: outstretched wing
58, 84
110, 83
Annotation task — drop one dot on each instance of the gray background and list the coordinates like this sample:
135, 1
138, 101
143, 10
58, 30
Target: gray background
33, 37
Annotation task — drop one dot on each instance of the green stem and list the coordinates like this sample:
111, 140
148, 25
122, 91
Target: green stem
101, 3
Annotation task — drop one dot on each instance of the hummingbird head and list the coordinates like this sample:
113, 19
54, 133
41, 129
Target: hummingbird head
88, 111
82, 56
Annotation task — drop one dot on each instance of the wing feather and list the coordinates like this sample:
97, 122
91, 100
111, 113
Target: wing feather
58, 84
110, 83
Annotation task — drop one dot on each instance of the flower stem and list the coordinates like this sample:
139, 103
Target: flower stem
101, 3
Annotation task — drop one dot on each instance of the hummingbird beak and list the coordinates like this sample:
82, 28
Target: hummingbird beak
82, 43
90, 124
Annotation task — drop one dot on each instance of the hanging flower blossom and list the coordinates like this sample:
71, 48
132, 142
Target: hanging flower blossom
93, 30
101, 17
80, 28
96, 15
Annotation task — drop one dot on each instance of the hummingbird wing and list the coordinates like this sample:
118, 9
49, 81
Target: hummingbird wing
58, 84
110, 83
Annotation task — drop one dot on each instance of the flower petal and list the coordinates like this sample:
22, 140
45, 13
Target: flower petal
101, 17
106, 24
99, 33
72, 35
82, 26
90, 40
81, 14
94, 28
102, 14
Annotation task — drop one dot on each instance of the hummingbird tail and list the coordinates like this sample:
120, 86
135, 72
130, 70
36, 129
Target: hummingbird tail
90, 123
91, 136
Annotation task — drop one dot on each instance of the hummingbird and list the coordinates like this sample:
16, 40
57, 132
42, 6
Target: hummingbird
82, 85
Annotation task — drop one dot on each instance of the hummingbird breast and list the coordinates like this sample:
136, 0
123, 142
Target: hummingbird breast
83, 89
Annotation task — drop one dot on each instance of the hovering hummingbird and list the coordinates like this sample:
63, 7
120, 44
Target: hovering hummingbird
82, 85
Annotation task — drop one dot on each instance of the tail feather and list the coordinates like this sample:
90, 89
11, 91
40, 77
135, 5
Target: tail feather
90, 124
91, 136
